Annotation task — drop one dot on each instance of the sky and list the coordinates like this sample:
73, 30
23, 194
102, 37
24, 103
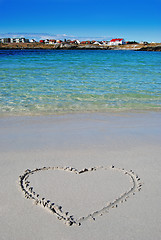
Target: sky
137, 20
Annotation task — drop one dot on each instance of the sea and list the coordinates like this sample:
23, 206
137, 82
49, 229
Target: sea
40, 82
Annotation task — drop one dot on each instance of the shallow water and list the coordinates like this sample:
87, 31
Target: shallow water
67, 81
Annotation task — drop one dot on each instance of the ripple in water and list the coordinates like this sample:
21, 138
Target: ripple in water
52, 82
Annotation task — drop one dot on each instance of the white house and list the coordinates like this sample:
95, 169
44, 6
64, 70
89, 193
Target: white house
77, 41
74, 41
52, 41
19, 40
32, 40
5, 40
117, 41
143, 42
13, 40
96, 43
46, 41
104, 42
58, 41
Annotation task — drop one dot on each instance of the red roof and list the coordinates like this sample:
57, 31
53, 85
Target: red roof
52, 40
85, 42
116, 39
74, 41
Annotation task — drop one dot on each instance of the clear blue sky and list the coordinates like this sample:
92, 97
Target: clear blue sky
83, 19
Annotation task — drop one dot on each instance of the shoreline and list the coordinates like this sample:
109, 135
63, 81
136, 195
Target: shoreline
41, 46
57, 114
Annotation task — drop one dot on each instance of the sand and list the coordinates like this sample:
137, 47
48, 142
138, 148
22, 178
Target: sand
100, 172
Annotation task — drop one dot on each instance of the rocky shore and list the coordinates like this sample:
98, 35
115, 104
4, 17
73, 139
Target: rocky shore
65, 46
151, 48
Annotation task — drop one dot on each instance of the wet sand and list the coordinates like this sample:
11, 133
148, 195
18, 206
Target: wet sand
102, 173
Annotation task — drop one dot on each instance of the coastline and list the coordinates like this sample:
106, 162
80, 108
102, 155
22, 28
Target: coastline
129, 140
5, 115
39, 46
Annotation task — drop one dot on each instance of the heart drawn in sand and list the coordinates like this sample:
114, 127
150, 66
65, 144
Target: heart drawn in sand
56, 209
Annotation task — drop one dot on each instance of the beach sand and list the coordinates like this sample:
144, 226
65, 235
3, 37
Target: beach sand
114, 143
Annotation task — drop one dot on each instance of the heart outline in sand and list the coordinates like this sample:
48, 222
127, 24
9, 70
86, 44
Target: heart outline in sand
57, 210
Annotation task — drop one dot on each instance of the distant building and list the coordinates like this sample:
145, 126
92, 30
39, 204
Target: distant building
117, 41
58, 41
104, 42
46, 41
96, 43
14, 40
5, 40
32, 40
52, 41
75, 41
19, 40
85, 42
143, 42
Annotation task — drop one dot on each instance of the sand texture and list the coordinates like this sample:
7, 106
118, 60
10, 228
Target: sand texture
57, 209
81, 176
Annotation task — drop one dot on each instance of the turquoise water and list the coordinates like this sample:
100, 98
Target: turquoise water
64, 81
